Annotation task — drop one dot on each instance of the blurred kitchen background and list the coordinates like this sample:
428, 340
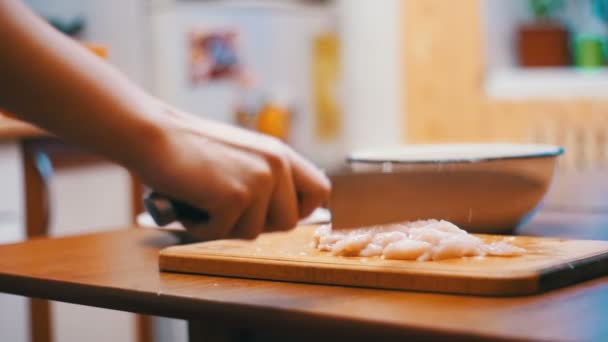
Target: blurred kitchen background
327, 77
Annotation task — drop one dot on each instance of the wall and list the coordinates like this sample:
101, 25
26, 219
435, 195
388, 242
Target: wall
118, 24
372, 91
445, 73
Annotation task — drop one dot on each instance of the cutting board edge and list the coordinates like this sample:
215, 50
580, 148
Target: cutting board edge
369, 278
175, 252
573, 272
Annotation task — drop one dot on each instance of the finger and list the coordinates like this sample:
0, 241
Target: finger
312, 184
283, 208
223, 214
219, 226
253, 221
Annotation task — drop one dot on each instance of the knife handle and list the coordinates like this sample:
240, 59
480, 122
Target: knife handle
165, 210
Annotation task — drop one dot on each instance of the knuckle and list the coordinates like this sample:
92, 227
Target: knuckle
276, 155
239, 196
262, 176
277, 161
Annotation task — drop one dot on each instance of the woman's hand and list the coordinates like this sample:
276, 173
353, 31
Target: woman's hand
247, 182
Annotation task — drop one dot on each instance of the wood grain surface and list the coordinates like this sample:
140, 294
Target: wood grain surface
289, 256
119, 270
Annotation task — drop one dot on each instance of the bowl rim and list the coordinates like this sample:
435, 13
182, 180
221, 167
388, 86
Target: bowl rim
546, 151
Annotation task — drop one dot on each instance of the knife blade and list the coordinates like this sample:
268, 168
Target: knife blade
360, 199
357, 199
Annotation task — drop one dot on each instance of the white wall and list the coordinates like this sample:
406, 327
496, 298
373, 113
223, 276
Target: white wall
90, 198
372, 72
499, 19
11, 193
118, 24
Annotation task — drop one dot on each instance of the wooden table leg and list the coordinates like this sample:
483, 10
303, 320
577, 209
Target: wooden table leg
144, 328
144, 324
36, 167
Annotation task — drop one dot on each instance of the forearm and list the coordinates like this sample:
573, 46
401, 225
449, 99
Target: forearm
53, 82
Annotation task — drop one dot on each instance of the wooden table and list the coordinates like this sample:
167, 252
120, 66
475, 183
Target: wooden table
118, 270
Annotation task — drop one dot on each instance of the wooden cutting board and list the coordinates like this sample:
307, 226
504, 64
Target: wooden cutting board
289, 256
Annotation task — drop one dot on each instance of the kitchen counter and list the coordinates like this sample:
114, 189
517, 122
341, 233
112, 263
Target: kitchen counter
118, 270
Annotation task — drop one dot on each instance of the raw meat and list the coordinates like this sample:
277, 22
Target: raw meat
419, 240
406, 249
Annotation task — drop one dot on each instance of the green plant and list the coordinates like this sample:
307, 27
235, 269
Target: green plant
544, 9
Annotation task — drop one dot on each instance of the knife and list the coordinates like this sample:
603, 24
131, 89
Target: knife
357, 199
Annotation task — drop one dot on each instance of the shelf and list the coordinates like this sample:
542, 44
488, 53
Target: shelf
547, 83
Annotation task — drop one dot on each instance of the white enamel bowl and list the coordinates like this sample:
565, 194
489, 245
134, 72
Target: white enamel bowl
483, 188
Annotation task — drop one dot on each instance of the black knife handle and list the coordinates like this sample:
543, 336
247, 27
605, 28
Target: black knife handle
165, 210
